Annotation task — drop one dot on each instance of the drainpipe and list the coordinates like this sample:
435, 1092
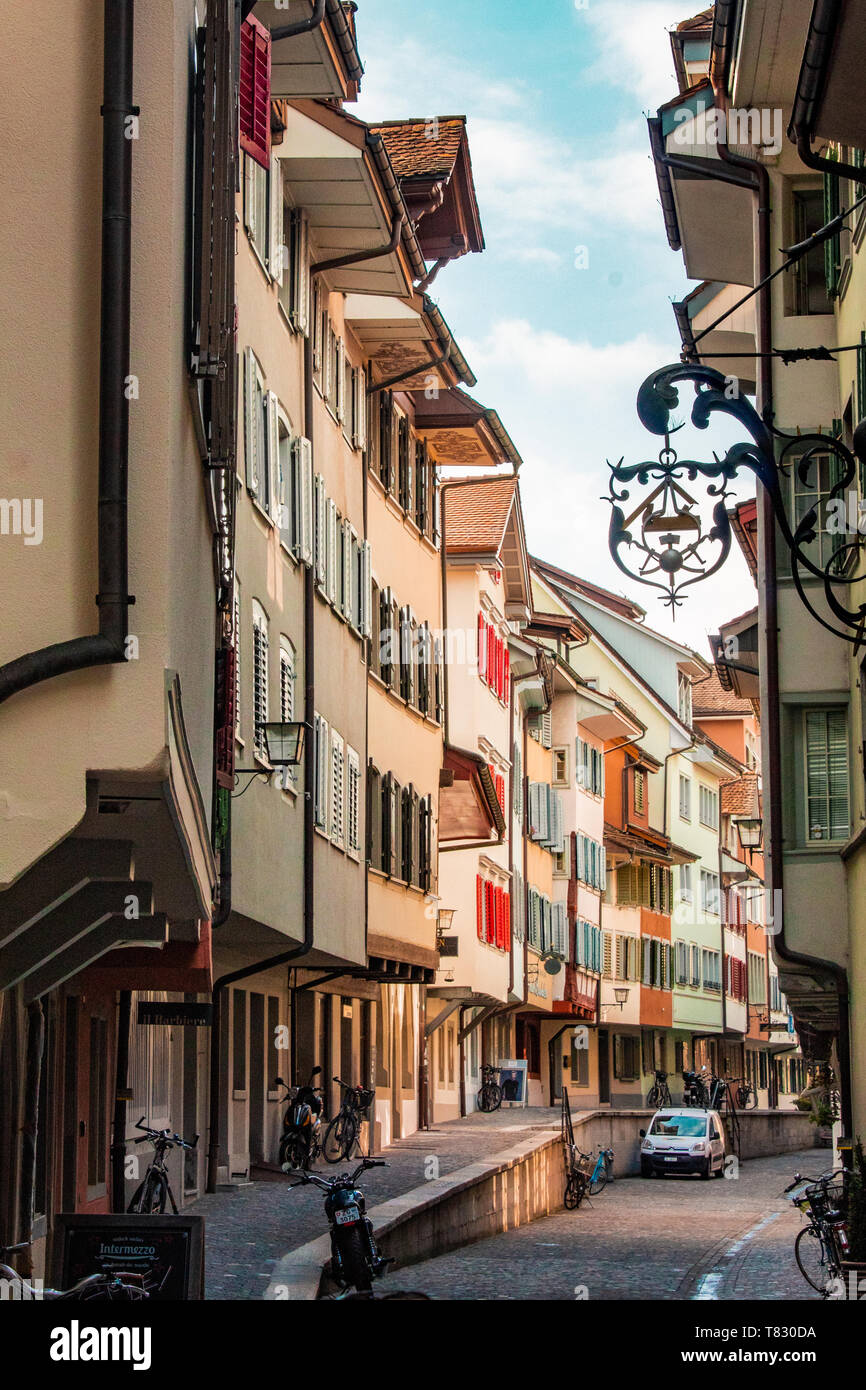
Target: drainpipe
810, 89
357, 257
301, 26
769, 635
108, 647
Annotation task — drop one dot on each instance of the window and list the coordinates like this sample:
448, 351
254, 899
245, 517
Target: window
695, 966
813, 492
589, 765
811, 272
239, 1042
710, 897
260, 677
685, 798
626, 1057
295, 282
751, 749
712, 970
358, 408
560, 767
708, 807
684, 697
681, 962
257, 196
826, 774
254, 111
687, 887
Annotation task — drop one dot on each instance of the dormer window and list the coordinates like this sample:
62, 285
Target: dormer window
684, 697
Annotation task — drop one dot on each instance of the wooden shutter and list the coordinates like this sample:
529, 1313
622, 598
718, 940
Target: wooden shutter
479, 906
277, 253
359, 412
299, 304
331, 543
302, 454
320, 530
254, 115
226, 713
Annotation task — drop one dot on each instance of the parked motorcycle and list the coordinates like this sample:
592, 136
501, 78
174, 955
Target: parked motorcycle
695, 1091
300, 1141
355, 1260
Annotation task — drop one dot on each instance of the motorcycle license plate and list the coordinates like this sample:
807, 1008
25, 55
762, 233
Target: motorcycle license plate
347, 1216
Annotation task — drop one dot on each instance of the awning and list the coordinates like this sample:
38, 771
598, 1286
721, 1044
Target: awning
469, 808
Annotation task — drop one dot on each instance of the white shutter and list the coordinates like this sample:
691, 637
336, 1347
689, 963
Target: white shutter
338, 803
251, 433
273, 449
360, 387
276, 253
287, 494
323, 762
581, 772
250, 220
366, 589
320, 526
300, 302
327, 360
302, 462
546, 729
347, 587
341, 380
331, 551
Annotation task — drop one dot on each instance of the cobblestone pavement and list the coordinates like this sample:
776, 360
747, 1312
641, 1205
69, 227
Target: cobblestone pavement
666, 1238
249, 1228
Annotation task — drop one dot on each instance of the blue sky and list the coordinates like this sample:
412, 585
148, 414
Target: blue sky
568, 309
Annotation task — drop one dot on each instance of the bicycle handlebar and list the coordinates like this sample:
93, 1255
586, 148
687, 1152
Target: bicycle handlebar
164, 1134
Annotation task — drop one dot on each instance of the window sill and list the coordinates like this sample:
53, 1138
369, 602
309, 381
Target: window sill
258, 256
262, 511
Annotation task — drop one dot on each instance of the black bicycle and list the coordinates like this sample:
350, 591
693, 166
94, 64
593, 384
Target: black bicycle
746, 1095
155, 1189
490, 1095
344, 1131
822, 1244
119, 1287
659, 1094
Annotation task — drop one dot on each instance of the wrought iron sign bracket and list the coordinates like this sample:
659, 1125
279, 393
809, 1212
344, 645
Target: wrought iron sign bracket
668, 533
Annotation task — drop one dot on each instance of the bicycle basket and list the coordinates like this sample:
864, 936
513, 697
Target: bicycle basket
365, 1099
825, 1199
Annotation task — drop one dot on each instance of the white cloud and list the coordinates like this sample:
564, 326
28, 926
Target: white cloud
634, 47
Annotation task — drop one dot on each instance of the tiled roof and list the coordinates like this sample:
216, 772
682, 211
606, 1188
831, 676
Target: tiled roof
476, 514
417, 152
740, 798
703, 20
710, 697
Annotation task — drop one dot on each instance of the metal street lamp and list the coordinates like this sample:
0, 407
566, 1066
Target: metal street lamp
750, 830
621, 997
284, 747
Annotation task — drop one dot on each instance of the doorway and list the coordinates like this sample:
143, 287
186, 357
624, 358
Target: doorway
603, 1067
258, 1089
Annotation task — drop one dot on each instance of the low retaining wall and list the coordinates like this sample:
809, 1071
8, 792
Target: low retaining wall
512, 1189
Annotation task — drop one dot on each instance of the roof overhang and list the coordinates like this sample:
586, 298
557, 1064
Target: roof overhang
708, 206
736, 655
736, 335
441, 198
462, 432
469, 808
398, 335
336, 171
322, 63
829, 102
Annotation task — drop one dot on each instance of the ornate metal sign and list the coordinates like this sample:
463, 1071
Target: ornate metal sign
676, 547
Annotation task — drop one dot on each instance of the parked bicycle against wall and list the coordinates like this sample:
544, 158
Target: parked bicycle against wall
695, 1091
344, 1131
490, 1095
118, 1287
599, 1172
745, 1095
154, 1189
659, 1094
355, 1259
822, 1244
300, 1141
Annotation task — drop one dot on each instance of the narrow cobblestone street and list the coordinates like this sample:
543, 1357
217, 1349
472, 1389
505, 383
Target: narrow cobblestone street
671, 1238
249, 1228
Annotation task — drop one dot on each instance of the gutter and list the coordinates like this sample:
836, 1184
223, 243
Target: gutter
769, 629
811, 82
338, 22
108, 646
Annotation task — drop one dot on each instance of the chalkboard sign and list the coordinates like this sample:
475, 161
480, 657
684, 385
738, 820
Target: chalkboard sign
168, 1250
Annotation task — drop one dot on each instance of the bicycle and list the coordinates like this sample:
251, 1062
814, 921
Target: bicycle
659, 1094
598, 1174
344, 1130
107, 1288
490, 1095
822, 1244
746, 1096
152, 1192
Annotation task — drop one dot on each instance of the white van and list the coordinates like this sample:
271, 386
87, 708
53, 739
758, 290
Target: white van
683, 1141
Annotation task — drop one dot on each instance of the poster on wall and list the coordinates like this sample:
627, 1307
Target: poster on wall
512, 1079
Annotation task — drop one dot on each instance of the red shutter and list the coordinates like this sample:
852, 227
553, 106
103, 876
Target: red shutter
491, 654
479, 906
500, 791
255, 92
497, 937
500, 682
490, 905
506, 933
506, 679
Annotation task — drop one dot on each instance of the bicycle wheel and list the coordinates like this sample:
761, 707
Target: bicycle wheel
751, 1099
151, 1196
494, 1096
652, 1099
351, 1131
599, 1180
665, 1099
332, 1144
484, 1102
812, 1258
575, 1190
